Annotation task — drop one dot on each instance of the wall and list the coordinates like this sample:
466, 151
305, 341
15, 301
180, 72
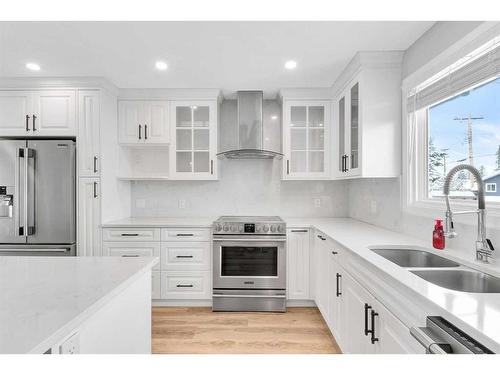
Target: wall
245, 187
378, 201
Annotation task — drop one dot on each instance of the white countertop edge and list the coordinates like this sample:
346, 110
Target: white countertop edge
77, 321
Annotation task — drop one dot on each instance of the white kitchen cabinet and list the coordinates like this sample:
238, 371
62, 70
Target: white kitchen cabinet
89, 142
306, 139
297, 259
155, 285
55, 113
131, 234
89, 217
15, 112
143, 122
321, 279
38, 113
132, 250
193, 140
336, 295
183, 256
367, 117
178, 285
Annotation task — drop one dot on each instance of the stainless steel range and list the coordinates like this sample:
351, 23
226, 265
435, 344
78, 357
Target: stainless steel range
249, 264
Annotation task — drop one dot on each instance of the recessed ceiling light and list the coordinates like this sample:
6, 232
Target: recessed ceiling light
290, 64
161, 65
33, 66
274, 117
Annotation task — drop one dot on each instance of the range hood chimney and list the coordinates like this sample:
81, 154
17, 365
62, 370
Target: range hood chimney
250, 128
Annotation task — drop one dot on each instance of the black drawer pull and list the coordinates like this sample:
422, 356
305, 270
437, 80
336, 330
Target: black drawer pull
185, 234
27, 123
334, 252
299, 231
372, 331
184, 285
130, 256
34, 127
367, 307
338, 292
321, 238
129, 234
184, 256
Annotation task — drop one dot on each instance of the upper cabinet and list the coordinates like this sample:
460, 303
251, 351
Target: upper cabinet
38, 113
193, 145
143, 122
89, 143
367, 116
306, 139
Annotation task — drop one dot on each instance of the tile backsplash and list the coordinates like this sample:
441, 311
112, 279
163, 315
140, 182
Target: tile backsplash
245, 187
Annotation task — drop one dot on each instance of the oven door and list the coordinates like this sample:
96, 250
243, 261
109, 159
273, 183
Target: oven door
251, 263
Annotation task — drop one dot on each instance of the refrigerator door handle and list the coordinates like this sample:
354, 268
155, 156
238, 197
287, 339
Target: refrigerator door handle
21, 202
30, 191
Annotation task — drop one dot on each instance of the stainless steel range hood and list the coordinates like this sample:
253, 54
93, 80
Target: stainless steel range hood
250, 129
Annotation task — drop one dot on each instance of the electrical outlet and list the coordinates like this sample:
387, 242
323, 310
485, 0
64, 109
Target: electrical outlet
71, 345
140, 203
373, 207
317, 202
182, 203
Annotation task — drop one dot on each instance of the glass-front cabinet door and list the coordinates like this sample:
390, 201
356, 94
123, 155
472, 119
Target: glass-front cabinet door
347, 108
306, 135
194, 140
353, 160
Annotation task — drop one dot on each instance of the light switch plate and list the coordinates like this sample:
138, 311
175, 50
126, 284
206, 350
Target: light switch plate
140, 203
182, 203
317, 202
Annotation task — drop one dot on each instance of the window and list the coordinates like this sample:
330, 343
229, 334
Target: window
464, 129
491, 187
454, 118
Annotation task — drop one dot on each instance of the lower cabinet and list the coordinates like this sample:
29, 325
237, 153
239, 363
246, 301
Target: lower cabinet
132, 249
297, 264
186, 285
89, 217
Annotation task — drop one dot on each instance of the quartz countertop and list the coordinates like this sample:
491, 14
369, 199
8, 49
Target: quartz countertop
42, 299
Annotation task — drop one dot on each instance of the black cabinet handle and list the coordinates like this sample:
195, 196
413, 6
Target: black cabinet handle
145, 131
184, 285
27, 123
334, 252
342, 164
338, 292
95, 189
140, 131
372, 331
288, 167
346, 163
211, 167
367, 307
95, 164
185, 234
184, 256
321, 238
130, 256
129, 234
34, 118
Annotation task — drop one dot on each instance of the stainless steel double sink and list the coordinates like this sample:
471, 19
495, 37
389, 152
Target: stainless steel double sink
441, 271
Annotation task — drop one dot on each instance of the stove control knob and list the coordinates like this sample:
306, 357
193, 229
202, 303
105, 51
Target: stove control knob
273, 228
218, 228
258, 228
233, 228
225, 228
266, 228
240, 228
280, 228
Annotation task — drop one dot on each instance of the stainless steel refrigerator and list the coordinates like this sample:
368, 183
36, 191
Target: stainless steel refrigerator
37, 197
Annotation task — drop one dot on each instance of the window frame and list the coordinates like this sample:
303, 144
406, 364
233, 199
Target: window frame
416, 160
492, 184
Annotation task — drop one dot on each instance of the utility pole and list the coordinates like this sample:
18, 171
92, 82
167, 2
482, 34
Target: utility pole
444, 152
469, 120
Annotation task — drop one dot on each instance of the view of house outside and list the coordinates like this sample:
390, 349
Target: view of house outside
466, 129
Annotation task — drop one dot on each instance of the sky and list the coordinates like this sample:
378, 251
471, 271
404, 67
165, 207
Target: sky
447, 133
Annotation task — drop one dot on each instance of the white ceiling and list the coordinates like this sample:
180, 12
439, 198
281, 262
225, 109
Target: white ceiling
226, 55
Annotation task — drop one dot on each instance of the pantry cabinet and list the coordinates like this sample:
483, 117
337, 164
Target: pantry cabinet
89, 217
297, 259
306, 139
193, 146
38, 113
143, 122
89, 142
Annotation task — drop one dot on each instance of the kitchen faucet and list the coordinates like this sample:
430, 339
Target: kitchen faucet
483, 244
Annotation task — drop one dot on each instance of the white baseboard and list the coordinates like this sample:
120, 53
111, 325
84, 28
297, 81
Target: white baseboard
208, 303
300, 303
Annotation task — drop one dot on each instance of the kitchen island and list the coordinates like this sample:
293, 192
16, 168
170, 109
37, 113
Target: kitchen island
75, 305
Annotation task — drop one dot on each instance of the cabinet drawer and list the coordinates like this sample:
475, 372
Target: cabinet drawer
186, 285
185, 256
131, 234
155, 285
185, 234
137, 249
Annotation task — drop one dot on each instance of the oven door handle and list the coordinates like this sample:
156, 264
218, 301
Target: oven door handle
249, 239
246, 296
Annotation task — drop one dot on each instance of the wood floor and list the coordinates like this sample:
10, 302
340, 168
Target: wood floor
198, 330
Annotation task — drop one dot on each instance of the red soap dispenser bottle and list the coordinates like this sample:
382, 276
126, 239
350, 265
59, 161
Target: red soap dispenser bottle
438, 235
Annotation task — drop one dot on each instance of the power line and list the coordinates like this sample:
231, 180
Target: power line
469, 137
